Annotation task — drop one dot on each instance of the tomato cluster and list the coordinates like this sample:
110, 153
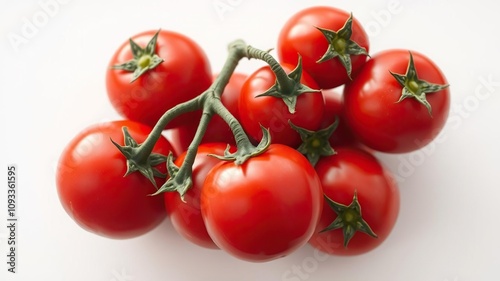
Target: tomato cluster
255, 164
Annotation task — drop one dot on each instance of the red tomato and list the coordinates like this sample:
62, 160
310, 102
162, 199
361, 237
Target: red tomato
273, 113
186, 216
184, 73
351, 171
265, 208
334, 108
300, 35
377, 118
92, 187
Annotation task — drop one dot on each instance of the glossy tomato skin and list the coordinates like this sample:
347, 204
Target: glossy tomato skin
377, 118
265, 208
92, 187
186, 216
350, 170
273, 114
184, 74
299, 35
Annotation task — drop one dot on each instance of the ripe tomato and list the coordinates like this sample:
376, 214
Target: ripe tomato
184, 73
186, 216
334, 108
355, 171
92, 187
301, 35
265, 208
380, 119
273, 113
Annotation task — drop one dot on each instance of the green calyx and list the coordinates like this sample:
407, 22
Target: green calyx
349, 219
289, 88
415, 88
341, 46
136, 163
315, 144
245, 150
178, 181
144, 59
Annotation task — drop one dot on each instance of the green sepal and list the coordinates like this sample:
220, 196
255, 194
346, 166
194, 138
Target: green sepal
349, 219
127, 66
178, 182
315, 144
341, 46
413, 87
290, 97
244, 153
129, 150
144, 59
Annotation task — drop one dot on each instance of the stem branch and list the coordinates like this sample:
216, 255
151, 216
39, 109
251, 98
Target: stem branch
284, 81
147, 146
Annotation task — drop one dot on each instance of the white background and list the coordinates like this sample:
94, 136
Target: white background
52, 86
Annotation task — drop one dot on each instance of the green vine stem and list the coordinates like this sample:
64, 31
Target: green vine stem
210, 103
147, 146
287, 86
205, 101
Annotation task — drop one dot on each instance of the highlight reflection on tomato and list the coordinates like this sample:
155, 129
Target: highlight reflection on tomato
92, 187
375, 113
259, 215
355, 171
